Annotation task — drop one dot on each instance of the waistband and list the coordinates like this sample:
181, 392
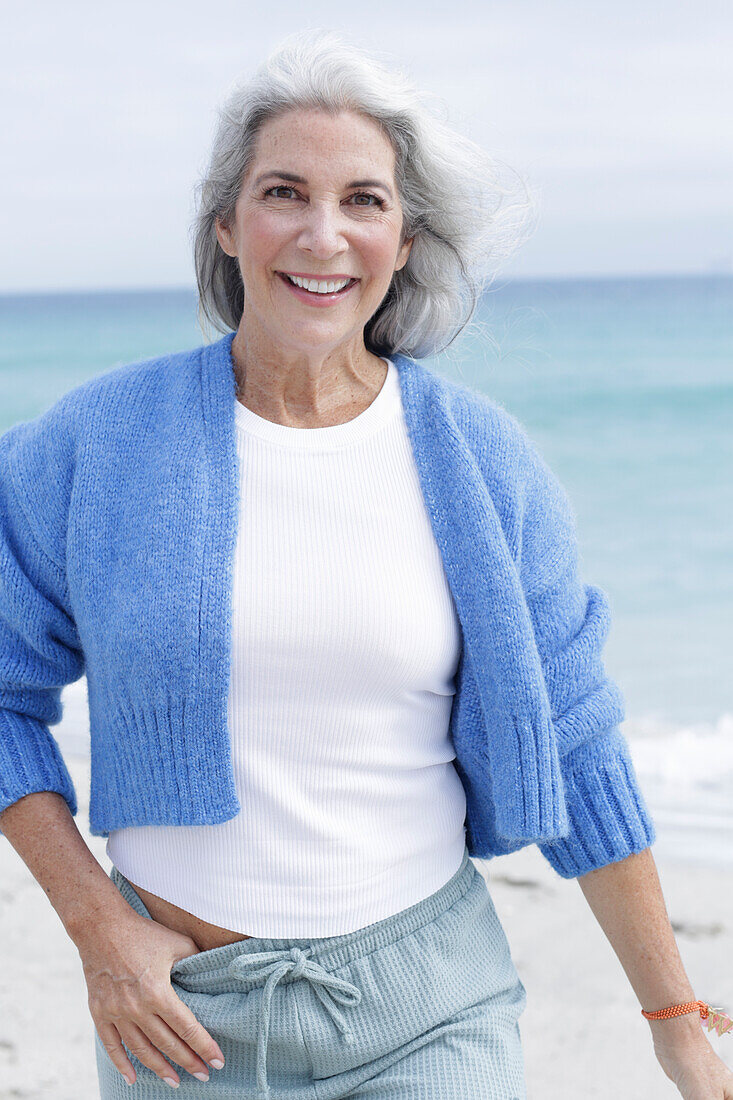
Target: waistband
331, 951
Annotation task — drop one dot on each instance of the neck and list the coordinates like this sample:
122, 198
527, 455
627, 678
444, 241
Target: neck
304, 388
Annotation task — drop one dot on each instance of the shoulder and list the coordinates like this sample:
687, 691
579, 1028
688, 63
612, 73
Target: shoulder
532, 504
522, 481
128, 381
507, 456
476, 414
65, 420
39, 457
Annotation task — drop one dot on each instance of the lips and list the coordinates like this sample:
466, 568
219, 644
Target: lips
319, 278
313, 297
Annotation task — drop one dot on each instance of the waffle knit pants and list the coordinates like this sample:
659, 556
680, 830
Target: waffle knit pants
423, 1005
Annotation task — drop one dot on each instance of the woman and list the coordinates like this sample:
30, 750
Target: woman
335, 642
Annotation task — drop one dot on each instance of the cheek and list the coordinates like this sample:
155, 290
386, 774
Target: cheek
379, 250
261, 236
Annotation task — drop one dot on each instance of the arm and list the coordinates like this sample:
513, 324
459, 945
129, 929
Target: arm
40, 651
44, 834
608, 845
627, 901
127, 959
40, 647
607, 813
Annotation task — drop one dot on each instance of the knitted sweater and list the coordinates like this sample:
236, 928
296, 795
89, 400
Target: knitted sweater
119, 508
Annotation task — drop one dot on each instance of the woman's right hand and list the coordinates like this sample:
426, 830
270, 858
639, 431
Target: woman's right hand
131, 998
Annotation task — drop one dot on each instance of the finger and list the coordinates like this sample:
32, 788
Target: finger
138, 1044
171, 1044
111, 1040
184, 1024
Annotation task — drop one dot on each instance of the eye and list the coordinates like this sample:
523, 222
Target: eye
375, 199
367, 195
279, 187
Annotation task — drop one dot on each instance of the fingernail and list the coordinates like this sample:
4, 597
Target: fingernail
216, 1063
171, 1082
128, 1079
201, 1076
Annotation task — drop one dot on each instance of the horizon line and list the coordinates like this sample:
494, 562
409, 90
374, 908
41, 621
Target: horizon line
179, 288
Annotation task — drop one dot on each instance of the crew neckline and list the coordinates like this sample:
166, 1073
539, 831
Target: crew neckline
333, 435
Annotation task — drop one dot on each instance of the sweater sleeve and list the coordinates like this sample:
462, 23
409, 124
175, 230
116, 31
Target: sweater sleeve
609, 818
40, 650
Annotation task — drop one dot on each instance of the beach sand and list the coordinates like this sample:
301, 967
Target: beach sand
582, 1031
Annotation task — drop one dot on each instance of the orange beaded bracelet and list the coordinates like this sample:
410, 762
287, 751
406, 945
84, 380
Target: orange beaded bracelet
715, 1017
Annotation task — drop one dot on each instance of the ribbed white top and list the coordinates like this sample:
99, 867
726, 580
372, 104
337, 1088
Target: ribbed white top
345, 645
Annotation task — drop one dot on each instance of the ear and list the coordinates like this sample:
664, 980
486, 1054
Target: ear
403, 254
225, 238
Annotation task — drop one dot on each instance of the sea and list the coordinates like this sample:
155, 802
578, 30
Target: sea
626, 386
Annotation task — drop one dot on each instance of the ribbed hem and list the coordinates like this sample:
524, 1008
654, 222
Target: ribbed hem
152, 767
527, 784
30, 761
609, 818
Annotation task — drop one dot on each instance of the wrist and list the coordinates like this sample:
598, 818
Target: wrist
677, 1030
83, 923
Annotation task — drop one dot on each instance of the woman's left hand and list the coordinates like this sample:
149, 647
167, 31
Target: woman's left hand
695, 1068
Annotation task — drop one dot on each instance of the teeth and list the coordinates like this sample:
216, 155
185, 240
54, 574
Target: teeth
317, 286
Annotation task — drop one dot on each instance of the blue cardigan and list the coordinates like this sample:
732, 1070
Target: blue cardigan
118, 522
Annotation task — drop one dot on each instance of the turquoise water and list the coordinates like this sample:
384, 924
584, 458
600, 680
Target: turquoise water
626, 385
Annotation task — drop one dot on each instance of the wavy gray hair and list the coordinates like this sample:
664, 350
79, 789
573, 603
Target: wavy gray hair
448, 187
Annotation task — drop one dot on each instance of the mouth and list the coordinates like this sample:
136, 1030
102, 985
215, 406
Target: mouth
315, 297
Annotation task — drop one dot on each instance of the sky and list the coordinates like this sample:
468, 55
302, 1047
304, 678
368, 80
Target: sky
617, 116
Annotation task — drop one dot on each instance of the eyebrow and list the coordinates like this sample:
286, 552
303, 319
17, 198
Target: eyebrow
291, 177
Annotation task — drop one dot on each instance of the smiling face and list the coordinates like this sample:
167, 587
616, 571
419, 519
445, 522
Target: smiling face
318, 202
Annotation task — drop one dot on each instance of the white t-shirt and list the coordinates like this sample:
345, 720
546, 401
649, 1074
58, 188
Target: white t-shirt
345, 645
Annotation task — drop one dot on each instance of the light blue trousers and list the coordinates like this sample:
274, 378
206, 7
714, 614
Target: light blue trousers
423, 1005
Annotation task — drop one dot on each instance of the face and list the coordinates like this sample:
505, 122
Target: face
318, 202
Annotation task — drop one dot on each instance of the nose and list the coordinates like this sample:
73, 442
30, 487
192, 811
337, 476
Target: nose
322, 231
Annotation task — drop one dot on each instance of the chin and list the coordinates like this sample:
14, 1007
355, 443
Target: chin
300, 339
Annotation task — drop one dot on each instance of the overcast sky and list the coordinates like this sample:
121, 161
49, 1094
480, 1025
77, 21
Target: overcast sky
619, 117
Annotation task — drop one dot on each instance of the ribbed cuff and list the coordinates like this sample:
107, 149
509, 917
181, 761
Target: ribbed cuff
609, 818
30, 761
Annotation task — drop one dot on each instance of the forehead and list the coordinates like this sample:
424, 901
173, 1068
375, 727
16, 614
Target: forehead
353, 141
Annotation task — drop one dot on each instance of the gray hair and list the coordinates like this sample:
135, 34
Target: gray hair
448, 187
